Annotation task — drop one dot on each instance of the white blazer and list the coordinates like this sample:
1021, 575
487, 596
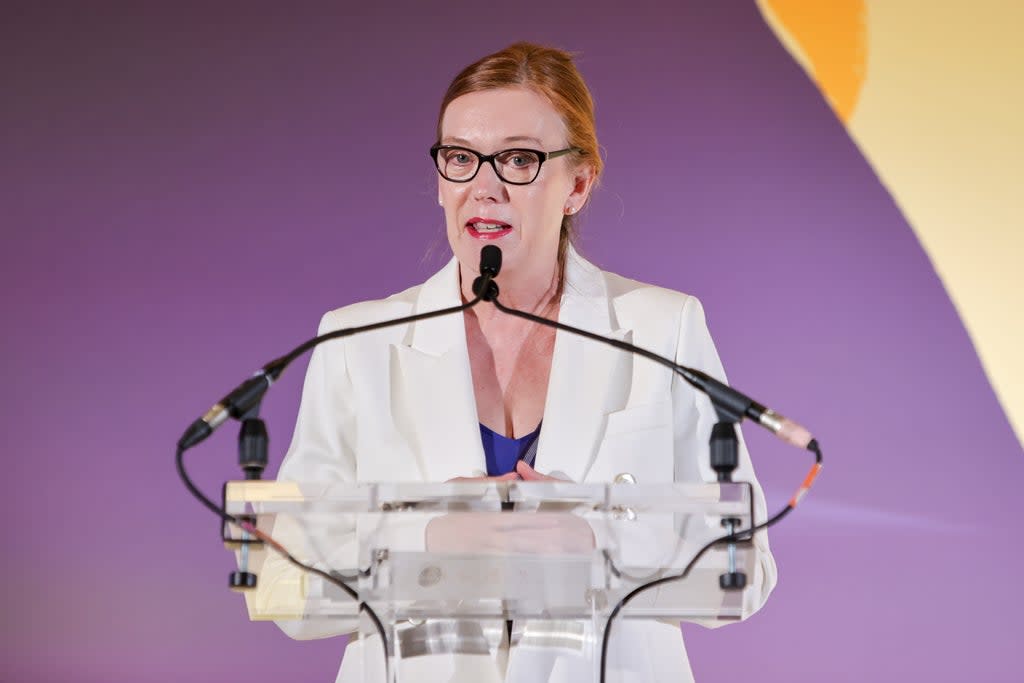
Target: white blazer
398, 405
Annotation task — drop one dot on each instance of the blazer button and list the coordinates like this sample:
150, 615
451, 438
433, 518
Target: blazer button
621, 512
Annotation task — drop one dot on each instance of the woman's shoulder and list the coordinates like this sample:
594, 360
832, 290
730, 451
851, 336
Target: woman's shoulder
626, 292
635, 292
440, 291
372, 311
653, 311
663, 320
630, 298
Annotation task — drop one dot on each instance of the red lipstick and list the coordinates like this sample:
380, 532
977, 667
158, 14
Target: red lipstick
487, 228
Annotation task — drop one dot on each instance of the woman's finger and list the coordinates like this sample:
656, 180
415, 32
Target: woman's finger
530, 474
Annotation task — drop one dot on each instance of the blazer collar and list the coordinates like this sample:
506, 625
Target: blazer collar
584, 304
439, 335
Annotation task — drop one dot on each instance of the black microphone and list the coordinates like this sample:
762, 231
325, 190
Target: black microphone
484, 286
739, 405
241, 400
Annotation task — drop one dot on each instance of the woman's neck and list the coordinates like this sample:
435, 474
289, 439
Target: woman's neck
536, 293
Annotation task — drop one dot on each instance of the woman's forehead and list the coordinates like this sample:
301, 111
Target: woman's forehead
502, 117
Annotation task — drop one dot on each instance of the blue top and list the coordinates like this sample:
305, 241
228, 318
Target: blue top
502, 452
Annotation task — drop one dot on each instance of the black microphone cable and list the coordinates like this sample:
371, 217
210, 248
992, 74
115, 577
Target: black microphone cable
719, 392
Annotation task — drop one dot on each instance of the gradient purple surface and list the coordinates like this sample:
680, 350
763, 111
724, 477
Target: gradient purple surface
185, 189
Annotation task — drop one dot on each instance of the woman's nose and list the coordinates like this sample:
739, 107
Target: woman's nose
487, 185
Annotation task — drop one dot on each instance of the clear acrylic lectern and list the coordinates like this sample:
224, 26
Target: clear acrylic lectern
470, 568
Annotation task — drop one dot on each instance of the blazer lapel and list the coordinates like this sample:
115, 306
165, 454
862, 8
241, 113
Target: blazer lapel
432, 385
588, 379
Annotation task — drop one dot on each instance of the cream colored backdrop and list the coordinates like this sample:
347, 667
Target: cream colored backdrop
933, 95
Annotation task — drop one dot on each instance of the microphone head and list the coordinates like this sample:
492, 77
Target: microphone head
490, 260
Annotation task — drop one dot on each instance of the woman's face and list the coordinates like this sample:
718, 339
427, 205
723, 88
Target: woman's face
524, 220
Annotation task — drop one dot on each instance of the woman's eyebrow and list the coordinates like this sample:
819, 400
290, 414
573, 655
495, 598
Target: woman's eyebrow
455, 141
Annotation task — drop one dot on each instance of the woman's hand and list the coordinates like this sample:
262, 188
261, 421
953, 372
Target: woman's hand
527, 473
511, 476
522, 472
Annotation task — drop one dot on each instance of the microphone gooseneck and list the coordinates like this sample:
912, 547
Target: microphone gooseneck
247, 395
725, 399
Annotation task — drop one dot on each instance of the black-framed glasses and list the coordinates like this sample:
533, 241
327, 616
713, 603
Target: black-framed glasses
513, 166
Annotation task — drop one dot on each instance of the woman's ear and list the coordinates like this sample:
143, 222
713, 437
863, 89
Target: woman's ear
583, 183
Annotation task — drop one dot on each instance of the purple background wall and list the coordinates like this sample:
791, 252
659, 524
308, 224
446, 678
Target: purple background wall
179, 204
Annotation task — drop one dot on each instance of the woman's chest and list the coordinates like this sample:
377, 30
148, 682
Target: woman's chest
510, 378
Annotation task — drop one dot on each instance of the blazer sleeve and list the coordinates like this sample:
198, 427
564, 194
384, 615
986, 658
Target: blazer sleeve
321, 451
695, 349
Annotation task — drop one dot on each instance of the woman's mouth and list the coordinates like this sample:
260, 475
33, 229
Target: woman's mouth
479, 228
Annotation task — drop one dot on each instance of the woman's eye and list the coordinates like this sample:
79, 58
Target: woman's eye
518, 159
458, 157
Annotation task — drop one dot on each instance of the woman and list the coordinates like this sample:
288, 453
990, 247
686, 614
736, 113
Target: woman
463, 396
